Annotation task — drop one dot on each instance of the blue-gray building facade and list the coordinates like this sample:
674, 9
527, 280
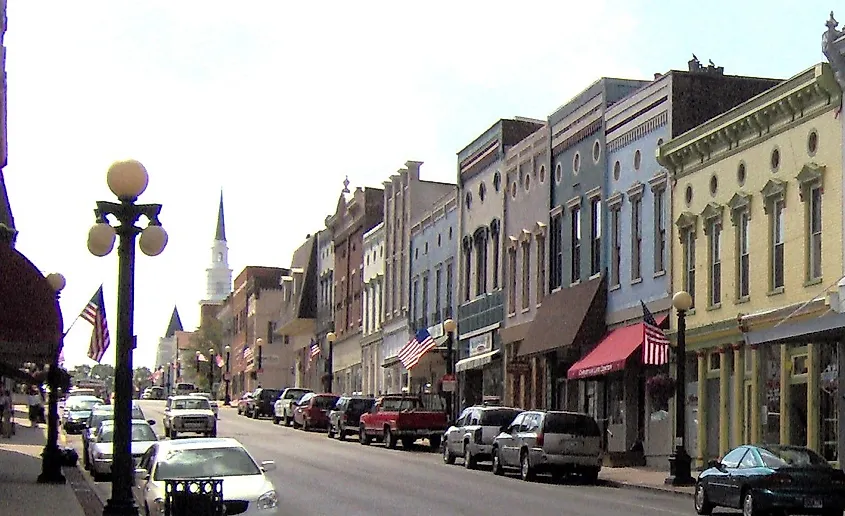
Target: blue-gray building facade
434, 244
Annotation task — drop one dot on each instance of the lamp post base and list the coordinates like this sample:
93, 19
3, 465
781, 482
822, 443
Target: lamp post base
120, 508
51, 466
680, 468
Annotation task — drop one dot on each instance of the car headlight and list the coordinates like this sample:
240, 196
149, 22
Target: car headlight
268, 500
103, 456
158, 506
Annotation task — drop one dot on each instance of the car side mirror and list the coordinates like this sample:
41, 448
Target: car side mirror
268, 465
713, 463
151, 422
142, 474
504, 428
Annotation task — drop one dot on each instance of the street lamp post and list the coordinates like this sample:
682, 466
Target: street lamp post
127, 180
449, 326
680, 463
51, 460
228, 399
211, 372
197, 365
330, 338
169, 379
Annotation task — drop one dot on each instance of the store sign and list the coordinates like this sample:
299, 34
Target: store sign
480, 344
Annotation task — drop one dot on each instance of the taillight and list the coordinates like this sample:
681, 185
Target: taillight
477, 435
780, 479
540, 438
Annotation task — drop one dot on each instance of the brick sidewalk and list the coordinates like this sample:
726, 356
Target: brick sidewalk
642, 478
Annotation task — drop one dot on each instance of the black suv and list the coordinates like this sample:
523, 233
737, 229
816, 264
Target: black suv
346, 414
262, 402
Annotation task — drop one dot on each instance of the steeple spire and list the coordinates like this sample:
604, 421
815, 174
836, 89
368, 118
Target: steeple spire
174, 325
221, 224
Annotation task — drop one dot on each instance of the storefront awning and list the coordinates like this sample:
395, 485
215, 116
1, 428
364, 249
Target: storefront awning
612, 352
830, 326
476, 361
569, 315
30, 323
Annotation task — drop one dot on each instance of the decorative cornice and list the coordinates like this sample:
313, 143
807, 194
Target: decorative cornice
775, 189
575, 202
525, 236
635, 191
740, 202
593, 193
614, 201
811, 175
540, 229
686, 222
712, 211
512, 242
557, 210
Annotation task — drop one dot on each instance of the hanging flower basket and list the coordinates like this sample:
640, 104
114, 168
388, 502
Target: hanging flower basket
660, 389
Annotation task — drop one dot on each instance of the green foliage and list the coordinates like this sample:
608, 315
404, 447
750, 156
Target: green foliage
208, 335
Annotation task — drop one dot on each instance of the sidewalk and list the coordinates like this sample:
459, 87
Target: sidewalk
642, 478
20, 464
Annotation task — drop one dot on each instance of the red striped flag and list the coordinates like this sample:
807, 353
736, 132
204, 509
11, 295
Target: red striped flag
95, 313
655, 342
418, 346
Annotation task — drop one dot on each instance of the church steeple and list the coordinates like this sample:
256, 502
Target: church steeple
174, 325
221, 223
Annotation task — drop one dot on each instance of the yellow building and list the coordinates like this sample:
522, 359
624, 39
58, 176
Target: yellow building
757, 205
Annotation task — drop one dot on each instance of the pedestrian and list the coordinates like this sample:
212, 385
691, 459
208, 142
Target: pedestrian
36, 407
6, 413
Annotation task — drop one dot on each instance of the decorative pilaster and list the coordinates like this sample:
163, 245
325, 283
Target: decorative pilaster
755, 394
785, 372
701, 452
738, 418
724, 402
813, 393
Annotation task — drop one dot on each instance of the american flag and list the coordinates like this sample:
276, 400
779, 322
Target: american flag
95, 313
655, 343
315, 350
411, 353
220, 361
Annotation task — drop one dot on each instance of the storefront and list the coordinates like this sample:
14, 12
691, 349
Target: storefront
394, 337
346, 365
426, 375
480, 369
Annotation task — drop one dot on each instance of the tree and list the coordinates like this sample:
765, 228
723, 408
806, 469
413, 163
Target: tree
208, 335
142, 378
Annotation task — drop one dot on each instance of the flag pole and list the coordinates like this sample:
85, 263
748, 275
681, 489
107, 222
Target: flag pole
78, 315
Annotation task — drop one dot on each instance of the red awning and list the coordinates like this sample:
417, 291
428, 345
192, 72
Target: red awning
611, 353
30, 324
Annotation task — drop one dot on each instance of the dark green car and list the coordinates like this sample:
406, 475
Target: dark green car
768, 479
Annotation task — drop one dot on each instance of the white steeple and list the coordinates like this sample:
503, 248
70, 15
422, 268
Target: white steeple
219, 275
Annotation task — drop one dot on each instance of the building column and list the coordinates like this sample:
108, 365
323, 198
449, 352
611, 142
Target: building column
724, 402
702, 409
785, 375
756, 435
535, 382
738, 419
813, 394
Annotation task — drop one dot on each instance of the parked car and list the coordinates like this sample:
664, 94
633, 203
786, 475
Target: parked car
211, 401
99, 414
261, 403
284, 405
472, 435
243, 403
156, 393
101, 448
246, 488
776, 479
76, 412
312, 411
401, 417
345, 417
549, 441
183, 388
189, 414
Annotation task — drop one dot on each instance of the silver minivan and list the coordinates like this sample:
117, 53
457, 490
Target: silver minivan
553, 442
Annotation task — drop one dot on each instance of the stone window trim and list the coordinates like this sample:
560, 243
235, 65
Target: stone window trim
494, 226
593, 193
575, 202
774, 190
686, 223
614, 201
554, 212
636, 191
540, 229
810, 176
658, 181
739, 203
710, 214
524, 237
512, 243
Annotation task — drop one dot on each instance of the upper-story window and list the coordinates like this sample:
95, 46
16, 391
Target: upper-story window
814, 234
512, 283
743, 265
480, 264
526, 275
777, 243
715, 236
556, 252
595, 235
636, 238
540, 287
659, 230
615, 243
686, 227
575, 243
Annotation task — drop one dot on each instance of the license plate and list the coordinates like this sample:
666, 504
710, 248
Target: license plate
812, 503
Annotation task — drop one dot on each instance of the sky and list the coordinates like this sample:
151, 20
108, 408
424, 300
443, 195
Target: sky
276, 102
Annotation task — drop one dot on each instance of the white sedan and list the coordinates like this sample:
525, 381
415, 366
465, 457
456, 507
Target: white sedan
101, 452
211, 401
246, 488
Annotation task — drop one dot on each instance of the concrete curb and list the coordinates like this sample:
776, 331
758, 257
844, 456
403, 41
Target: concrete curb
80, 467
653, 489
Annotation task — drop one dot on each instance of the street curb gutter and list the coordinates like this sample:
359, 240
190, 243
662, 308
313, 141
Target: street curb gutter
81, 494
653, 489
79, 466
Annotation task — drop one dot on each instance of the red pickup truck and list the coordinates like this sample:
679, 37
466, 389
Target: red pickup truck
402, 418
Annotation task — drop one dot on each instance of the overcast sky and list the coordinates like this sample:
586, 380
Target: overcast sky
275, 102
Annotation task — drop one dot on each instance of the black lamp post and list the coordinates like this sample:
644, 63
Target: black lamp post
197, 366
228, 399
127, 180
211, 372
330, 338
680, 463
51, 460
169, 379
449, 327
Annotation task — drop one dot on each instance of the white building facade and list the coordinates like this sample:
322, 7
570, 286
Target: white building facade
373, 311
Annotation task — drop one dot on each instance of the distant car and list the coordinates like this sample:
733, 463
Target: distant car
211, 401
101, 452
284, 405
99, 414
183, 388
76, 412
261, 402
776, 479
472, 435
312, 411
246, 488
346, 415
243, 403
191, 414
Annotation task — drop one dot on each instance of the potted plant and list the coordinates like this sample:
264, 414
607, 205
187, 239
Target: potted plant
660, 389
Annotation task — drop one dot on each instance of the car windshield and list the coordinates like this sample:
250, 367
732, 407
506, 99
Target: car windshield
206, 462
81, 405
580, 425
400, 404
270, 394
295, 394
325, 402
360, 403
202, 395
498, 417
790, 456
191, 404
139, 433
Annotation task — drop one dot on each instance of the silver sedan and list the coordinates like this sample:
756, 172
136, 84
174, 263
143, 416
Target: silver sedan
101, 448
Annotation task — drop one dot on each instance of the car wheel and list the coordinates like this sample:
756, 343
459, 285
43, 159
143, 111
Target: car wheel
434, 442
255, 413
306, 426
330, 432
389, 440
526, 472
276, 419
702, 505
748, 505
448, 456
591, 475
469, 460
340, 434
174, 434
497, 463
363, 438
285, 420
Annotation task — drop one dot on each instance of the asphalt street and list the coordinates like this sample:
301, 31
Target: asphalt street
317, 476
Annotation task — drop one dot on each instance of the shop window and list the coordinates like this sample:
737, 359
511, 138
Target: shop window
800, 365
828, 402
771, 413
715, 361
616, 401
